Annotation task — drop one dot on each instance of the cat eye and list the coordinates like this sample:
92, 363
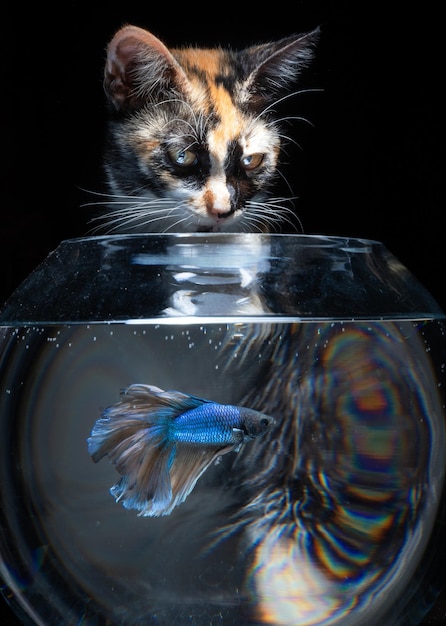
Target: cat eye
182, 158
252, 161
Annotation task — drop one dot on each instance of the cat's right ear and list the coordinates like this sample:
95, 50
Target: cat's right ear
139, 68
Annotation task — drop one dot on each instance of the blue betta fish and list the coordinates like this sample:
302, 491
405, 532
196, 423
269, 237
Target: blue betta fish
161, 442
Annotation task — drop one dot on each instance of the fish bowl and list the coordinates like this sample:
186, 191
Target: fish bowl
234, 429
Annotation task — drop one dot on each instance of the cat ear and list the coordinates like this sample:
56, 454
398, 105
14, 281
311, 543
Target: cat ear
139, 66
278, 64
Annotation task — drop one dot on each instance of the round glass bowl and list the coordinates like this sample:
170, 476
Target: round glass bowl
334, 516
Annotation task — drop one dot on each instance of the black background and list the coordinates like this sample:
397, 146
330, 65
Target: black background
372, 165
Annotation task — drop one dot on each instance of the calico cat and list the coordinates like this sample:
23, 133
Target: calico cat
193, 142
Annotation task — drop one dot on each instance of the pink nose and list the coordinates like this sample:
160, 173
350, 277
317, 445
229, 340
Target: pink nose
216, 205
218, 200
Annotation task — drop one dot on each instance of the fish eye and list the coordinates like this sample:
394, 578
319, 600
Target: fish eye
182, 158
252, 161
264, 422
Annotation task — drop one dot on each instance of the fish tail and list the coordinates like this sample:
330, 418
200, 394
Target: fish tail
127, 421
142, 455
137, 440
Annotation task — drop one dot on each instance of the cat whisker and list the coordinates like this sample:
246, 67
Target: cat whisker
192, 135
137, 215
113, 198
272, 213
293, 220
251, 222
134, 209
184, 220
285, 139
269, 108
194, 142
289, 118
287, 183
129, 205
200, 121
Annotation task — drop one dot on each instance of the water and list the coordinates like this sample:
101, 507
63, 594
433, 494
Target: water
336, 517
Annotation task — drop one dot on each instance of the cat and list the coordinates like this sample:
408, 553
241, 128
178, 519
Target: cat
194, 142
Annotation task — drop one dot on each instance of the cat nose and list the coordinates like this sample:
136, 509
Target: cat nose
219, 200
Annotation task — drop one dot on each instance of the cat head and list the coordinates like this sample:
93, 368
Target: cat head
193, 144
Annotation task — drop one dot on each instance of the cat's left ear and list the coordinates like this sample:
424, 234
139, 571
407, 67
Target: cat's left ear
139, 67
278, 64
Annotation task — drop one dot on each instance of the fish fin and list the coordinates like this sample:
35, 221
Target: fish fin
239, 435
142, 455
241, 438
114, 431
154, 398
189, 464
145, 486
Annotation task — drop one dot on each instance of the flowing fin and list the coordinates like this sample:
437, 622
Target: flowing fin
116, 431
142, 456
149, 397
190, 463
145, 486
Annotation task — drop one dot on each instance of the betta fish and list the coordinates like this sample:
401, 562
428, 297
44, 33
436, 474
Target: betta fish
161, 442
